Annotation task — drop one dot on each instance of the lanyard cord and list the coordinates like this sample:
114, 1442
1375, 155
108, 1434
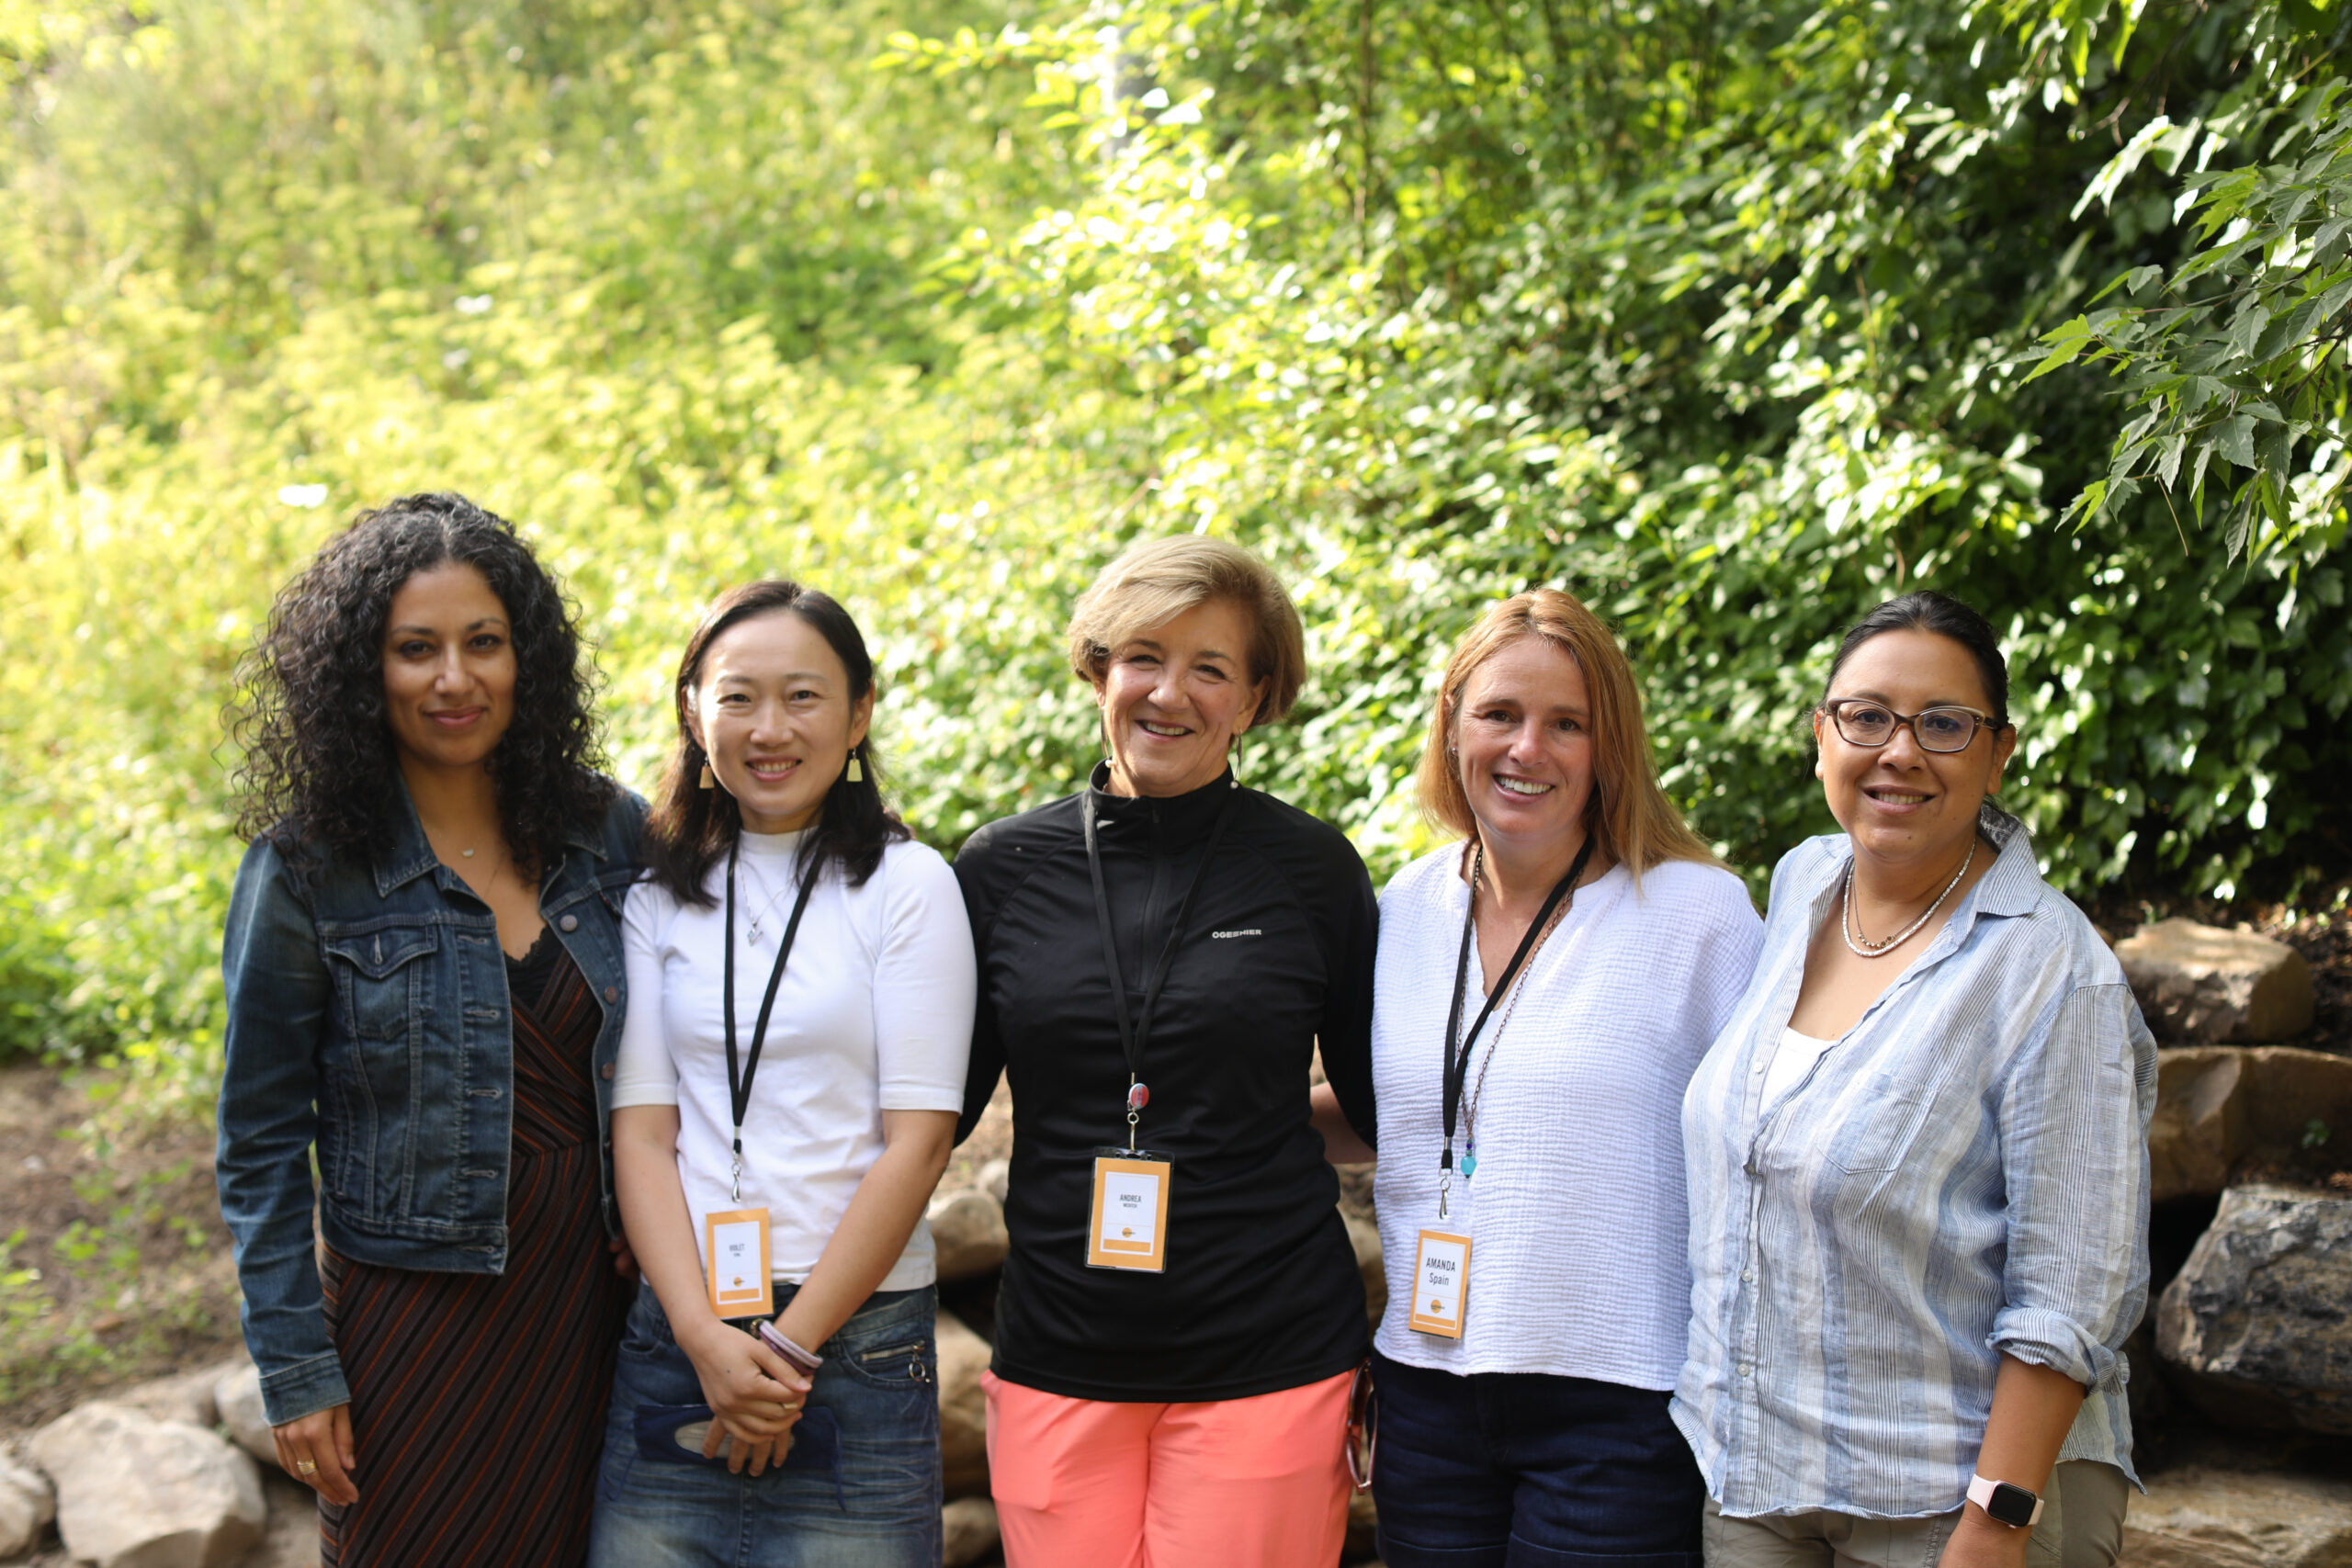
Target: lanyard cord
738, 1089
1134, 1036
1456, 1065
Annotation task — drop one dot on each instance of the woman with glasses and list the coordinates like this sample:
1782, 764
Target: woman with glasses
1919, 1169
1545, 985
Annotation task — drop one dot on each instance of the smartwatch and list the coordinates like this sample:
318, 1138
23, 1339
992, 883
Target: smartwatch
2011, 1506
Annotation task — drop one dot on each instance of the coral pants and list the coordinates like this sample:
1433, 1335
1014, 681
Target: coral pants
1256, 1483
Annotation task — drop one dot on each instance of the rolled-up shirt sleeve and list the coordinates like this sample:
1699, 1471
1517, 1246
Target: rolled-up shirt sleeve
2074, 1126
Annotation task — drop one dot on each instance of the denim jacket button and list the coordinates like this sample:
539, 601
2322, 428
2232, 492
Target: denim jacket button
570, 923
612, 993
606, 1069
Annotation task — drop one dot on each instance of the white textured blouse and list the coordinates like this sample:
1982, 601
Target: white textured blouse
874, 1014
1577, 1215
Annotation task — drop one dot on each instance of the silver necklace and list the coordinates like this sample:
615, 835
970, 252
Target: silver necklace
767, 907
1865, 947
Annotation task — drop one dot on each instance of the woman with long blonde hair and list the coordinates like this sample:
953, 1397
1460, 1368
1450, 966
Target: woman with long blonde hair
1544, 987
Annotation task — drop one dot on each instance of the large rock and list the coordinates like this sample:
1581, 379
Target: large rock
2202, 983
2216, 1105
2201, 1518
136, 1491
183, 1396
963, 1408
968, 1532
237, 1396
967, 1229
2199, 1129
2260, 1322
27, 1504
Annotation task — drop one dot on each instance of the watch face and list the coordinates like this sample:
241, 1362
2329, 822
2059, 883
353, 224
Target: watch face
2011, 1504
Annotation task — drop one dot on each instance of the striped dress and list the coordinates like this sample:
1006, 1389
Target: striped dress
478, 1401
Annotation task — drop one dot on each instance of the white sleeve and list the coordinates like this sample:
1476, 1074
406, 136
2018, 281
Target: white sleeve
646, 1073
925, 984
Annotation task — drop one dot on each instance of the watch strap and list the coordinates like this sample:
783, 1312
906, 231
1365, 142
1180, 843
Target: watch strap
1986, 1494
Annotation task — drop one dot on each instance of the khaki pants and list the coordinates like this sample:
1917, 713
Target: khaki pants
2082, 1527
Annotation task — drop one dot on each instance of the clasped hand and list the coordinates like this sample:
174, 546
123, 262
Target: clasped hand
755, 1397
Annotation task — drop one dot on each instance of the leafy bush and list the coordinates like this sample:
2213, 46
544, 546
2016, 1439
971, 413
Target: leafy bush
1727, 322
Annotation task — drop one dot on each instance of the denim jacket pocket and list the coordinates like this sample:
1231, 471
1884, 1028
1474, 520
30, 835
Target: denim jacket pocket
380, 984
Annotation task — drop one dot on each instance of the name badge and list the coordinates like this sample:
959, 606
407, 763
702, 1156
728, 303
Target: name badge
735, 1249
1441, 1284
1129, 1227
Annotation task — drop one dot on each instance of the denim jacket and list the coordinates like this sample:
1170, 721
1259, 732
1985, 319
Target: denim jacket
367, 1016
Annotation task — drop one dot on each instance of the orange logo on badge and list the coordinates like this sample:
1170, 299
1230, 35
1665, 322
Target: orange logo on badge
1436, 1305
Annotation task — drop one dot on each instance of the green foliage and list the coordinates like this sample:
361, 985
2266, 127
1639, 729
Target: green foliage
1727, 322
2233, 363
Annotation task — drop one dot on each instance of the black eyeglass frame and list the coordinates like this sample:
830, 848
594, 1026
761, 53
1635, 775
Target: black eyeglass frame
1836, 710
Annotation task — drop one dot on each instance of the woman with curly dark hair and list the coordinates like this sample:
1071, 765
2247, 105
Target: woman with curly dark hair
425, 986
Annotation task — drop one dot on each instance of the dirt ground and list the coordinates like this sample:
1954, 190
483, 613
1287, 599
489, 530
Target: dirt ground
104, 1319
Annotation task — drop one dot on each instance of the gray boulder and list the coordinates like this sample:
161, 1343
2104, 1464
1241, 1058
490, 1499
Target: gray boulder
968, 1532
27, 1504
2258, 1324
137, 1492
968, 1230
237, 1396
2201, 983
963, 1408
2202, 1518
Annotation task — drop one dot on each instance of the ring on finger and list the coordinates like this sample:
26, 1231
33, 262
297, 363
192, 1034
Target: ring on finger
306, 1467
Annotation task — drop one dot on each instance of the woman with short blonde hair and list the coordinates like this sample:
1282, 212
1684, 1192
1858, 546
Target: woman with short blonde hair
1180, 1316
1544, 989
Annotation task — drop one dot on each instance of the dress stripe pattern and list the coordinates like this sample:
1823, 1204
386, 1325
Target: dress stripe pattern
478, 1401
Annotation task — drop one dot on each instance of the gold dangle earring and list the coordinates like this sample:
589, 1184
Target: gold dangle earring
709, 779
856, 769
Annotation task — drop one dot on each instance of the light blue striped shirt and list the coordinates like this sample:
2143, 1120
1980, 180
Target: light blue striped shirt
1965, 1173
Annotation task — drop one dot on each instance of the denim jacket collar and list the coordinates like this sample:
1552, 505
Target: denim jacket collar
410, 854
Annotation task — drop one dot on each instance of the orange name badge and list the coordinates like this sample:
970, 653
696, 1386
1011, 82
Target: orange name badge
735, 1249
1441, 1284
1129, 1227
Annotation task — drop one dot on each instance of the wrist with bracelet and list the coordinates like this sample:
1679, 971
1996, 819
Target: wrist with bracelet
805, 1362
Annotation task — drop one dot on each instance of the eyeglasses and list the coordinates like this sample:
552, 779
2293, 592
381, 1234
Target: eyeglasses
1865, 723
1364, 1427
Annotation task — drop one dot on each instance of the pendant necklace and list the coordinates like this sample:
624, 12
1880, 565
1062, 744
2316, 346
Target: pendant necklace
1864, 947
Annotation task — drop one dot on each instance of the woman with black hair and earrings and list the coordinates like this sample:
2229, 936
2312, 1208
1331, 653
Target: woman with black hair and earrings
423, 985
1918, 1161
786, 1099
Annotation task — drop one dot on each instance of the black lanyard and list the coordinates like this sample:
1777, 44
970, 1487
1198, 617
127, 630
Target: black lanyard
738, 1089
1456, 1065
1135, 1035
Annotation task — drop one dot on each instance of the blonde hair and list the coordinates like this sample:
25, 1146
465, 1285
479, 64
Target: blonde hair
1629, 814
1158, 580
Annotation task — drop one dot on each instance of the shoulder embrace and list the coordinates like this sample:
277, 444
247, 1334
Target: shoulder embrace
1710, 897
1332, 850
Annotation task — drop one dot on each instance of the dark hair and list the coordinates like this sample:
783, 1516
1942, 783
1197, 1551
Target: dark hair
319, 776
692, 826
1946, 616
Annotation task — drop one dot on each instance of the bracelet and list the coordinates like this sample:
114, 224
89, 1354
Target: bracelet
804, 1361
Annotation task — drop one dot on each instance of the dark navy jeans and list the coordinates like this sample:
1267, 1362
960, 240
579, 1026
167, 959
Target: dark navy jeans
859, 1490
1517, 1470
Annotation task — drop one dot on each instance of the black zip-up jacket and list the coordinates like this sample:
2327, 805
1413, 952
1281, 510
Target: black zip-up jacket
1260, 1290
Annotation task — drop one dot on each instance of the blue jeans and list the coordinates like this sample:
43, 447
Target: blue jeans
859, 1490
1520, 1469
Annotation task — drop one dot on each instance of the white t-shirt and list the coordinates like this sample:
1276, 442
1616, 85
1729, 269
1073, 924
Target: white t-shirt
1577, 1213
1791, 1059
874, 1014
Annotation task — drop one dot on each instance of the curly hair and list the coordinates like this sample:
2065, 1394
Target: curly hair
319, 776
690, 827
